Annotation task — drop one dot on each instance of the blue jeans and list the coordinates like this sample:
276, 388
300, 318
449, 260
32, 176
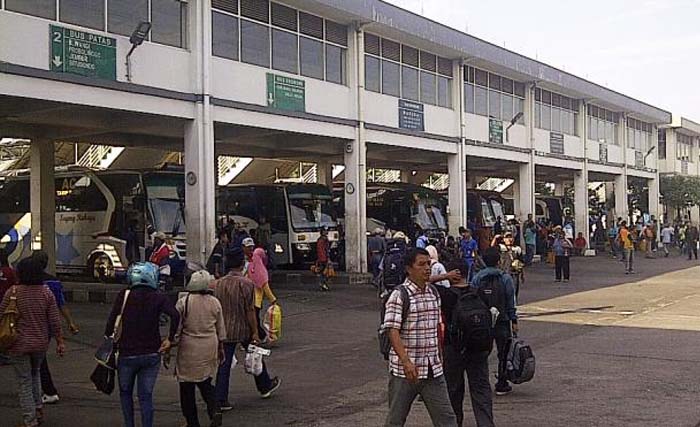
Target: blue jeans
142, 369
262, 381
28, 385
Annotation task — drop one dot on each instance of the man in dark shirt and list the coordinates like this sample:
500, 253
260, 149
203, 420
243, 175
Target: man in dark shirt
376, 246
215, 264
474, 364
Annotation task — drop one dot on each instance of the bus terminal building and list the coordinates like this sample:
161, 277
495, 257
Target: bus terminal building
359, 84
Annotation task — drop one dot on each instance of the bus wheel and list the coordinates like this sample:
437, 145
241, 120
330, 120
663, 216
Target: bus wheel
102, 268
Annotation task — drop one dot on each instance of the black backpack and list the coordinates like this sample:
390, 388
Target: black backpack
493, 294
393, 272
471, 327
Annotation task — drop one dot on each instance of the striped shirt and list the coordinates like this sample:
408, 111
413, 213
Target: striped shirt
235, 293
38, 319
419, 332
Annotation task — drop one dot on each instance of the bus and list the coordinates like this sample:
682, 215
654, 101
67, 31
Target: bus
286, 218
401, 207
104, 219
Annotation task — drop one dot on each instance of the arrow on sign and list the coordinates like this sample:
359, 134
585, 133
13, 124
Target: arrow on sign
270, 98
57, 61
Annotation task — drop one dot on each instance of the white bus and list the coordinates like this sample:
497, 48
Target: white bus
104, 219
294, 214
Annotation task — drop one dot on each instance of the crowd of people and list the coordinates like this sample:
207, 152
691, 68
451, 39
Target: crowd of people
218, 313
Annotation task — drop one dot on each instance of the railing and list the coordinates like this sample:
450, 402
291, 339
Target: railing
100, 156
229, 167
498, 185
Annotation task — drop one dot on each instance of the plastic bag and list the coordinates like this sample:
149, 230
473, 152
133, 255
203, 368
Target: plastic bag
254, 359
273, 322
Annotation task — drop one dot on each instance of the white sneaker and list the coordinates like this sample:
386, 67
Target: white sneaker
49, 400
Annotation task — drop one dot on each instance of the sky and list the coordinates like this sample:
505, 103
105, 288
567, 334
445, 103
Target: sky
646, 49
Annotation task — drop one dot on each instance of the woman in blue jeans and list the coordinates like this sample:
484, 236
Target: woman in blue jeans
140, 345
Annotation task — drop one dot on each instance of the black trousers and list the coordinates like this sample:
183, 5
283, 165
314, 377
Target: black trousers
561, 264
476, 367
262, 334
47, 386
188, 401
692, 249
503, 334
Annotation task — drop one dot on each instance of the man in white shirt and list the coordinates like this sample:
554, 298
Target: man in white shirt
667, 237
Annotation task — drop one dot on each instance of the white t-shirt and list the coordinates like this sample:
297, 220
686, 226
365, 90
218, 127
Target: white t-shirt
437, 269
667, 235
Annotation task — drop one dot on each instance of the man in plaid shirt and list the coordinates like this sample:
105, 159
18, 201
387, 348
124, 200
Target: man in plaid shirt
415, 363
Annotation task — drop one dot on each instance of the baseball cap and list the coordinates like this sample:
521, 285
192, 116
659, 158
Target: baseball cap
248, 241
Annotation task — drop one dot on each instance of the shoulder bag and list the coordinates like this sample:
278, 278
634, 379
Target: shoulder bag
105, 354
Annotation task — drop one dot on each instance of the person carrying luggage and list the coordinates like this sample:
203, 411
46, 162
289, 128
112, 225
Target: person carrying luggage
496, 289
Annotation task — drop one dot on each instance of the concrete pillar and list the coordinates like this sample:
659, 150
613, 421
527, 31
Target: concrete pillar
324, 173
525, 196
355, 159
457, 191
405, 176
581, 204
42, 199
654, 202
200, 160
621, 205
355, 207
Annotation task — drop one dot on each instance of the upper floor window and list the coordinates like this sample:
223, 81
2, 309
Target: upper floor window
639, 135
556, 112
489, 94
272, 35
602, 125
169, 17
406, 72
684, 147
662, 144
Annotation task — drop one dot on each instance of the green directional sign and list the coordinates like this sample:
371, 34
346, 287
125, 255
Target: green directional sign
286, 93
85, 54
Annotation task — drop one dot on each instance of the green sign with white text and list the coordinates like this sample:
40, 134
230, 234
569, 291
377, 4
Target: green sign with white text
85, 54
495, 131
286, 93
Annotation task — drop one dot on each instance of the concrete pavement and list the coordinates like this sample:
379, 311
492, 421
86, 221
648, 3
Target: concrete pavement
612, 350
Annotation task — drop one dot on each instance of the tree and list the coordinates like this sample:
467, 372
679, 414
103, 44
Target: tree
680, 191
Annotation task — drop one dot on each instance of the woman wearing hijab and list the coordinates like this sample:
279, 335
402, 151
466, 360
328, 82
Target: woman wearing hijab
200, 348
438, 273
257, 272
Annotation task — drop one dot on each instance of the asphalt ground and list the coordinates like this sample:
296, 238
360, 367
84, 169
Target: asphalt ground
612, 350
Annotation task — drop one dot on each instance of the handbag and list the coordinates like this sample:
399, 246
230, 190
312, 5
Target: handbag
8, 322
103, 379
105, 354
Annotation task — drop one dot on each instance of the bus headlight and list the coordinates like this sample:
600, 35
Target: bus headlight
278, 248
304, 247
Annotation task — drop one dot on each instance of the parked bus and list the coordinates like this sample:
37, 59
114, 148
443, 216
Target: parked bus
103, 218
547, 209
401, 207
292, 215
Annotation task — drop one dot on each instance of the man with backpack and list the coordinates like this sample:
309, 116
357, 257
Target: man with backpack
468, 343
496, 289
415, 363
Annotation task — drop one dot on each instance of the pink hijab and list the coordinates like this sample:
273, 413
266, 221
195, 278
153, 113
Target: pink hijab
257, 269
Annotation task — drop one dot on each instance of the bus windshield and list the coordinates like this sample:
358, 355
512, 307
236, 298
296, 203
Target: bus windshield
311, 211
166, 201
429, 216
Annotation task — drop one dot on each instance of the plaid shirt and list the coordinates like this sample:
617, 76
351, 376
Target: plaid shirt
419, 332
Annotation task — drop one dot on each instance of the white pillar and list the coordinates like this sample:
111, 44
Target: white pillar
355, 159
654, 202
200, 161
42, 199
355, 207
526, 192
581, 203
621, 204
457, 191
324, 173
